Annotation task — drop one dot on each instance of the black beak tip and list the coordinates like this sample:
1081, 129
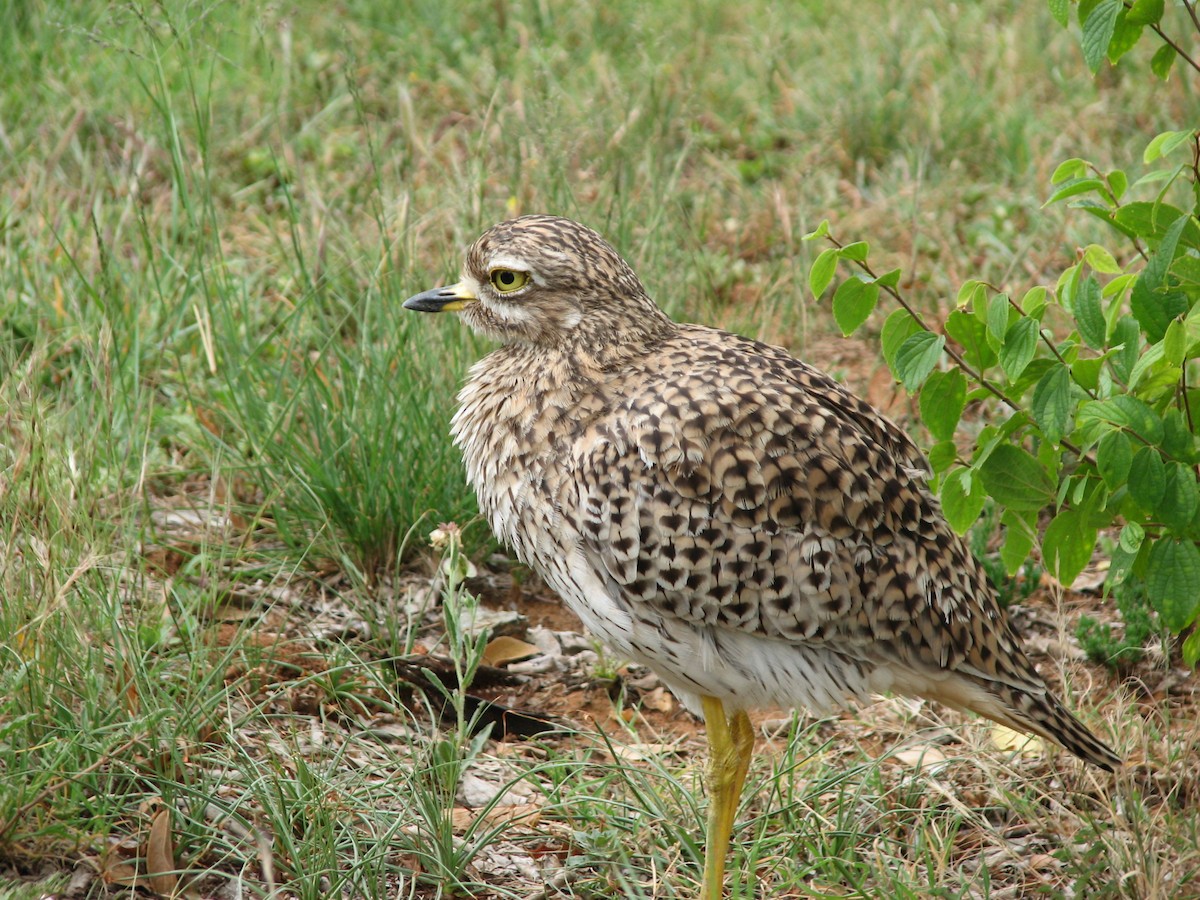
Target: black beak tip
432, 300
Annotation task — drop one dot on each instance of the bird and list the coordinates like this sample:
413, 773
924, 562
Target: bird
719, 511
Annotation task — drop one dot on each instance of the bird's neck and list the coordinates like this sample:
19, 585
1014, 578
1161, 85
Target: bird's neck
601, 343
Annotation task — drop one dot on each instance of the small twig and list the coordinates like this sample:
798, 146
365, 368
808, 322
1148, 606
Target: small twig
1191, 8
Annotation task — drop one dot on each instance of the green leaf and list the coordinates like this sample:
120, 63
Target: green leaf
917, 356
1114, 456
1152, 220
1088, 314
1173, 581
1069, 169
1019, 535
1175, 343
967, 290
1147, 479
1033, 304
1016, 479
1160, 65
1086, 372
1059, 9
1020, 342
853, 301
1100, 260
857, 251
1155, 309
1132, 535
1074, 188
971, 334
822, 270
1128, 337
1098, 32
997, 320
1178, 440
819, 232
1117, 182
1158, 264
962, 499
1067, 546
898, 327
1191, 646
889, 279
942, 401
1150, 363
1125, 37
1145, 12
942, 455
1068, 285
1051, 403
1191, 330
1162, 144
1181, 499
1126, 412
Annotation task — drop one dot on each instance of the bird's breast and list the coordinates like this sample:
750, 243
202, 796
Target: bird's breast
514, 429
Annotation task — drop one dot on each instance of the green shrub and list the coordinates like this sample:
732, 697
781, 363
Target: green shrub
1096, 429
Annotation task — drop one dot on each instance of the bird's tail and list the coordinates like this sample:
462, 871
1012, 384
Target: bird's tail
1047, 717
1033, 710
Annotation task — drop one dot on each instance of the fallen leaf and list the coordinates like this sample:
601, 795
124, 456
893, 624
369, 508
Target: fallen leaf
919, 757
160, 855
638, 752
659, 700
1015, 741
461, 819
120, 873
524, 814
504, 649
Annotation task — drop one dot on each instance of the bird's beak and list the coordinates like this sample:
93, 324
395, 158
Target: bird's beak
442, 299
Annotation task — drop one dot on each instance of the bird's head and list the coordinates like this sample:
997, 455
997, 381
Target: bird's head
545, 281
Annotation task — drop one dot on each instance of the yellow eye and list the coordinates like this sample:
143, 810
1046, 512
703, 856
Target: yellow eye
506, 280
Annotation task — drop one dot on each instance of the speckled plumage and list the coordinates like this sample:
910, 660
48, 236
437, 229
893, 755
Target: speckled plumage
716, 509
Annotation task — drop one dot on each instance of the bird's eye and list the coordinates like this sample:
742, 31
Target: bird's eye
505, 280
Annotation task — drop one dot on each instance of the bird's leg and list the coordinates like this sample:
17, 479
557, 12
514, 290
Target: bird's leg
730, 744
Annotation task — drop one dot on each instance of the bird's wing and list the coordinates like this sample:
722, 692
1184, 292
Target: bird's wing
737, 487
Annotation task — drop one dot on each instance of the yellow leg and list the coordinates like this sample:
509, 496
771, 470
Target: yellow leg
730, 744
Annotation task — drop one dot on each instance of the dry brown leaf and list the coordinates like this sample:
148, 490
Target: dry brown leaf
119, 873
1092, 579
129, 693
160, 855
525, 814
461, 819
1015, 741
638, 752
503, 650
919, 757
660, 700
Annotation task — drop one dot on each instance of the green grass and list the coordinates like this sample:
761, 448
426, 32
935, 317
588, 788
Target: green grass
222, 441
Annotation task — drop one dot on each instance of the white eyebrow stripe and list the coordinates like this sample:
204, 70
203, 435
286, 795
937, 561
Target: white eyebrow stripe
504, 261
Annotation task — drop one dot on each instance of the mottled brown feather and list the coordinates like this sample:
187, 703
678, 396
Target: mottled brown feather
717, 509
